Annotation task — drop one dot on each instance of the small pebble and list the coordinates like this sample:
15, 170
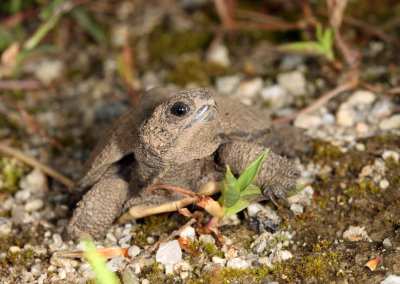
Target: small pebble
383, 184
307, 121
218, 53
266, 261
14, 249
34, 205
227, 84
133, 251
387, 243
249, 88
188, 232
57, 239
219, 260
124, 241
390, 154
391, 279
169, 253
360, 147
182, 266
390, 123
275, 95
294, 82
150, 240
5, 226
354, 233
207, 239
36, 269
237, 263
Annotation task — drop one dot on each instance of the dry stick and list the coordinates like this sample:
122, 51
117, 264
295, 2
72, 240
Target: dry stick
379, 89
319, 102
36, 164
19, 84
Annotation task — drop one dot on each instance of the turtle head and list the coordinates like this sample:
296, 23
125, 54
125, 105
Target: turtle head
183, 128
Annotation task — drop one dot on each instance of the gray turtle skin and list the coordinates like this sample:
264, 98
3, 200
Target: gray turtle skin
181, 139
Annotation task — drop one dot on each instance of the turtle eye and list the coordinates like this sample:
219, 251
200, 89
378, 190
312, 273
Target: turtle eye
180, 109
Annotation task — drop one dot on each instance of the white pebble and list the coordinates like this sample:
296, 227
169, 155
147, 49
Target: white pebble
392, 122
227, 84
391, 154
218, 53
294, 82
360, 147
22, 195
391, 279
133, 251
207, 239
57, 239
383, 184
387, 243
169, 253
361, 97
249, 88
182, 266
307, 121
5, 226
275, 95
123, 242
266, 261
237, 263
219, 260
354, 231
188, 232
34, 205
14, 249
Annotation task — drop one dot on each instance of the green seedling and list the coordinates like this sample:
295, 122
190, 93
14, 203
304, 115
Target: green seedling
103, 274
237, 194
323, 46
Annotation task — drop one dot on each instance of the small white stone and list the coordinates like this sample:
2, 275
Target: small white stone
5, 226
133, 251
345, 115
111, 238
182, 266
169, 268
354, 231
294, 82
115, 263
361, 127
249, 89
207, 239
237, 263
387, 243
360, 147
36, 269
391, 154
227, 84
275, 95
383, 184
390, 123
391, 279
34, 182
145, 281
266, 261
297, 208
189, 233
361, 97
22, 195
63, 262
219, 260
218, 53
366, 171
34, 205
169, 253
184, 275
14, 249
123, 242
57, 239
150, 240
307, 121
381, 110
47, 70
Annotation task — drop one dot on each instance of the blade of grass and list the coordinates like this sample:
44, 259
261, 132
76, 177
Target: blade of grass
103, 274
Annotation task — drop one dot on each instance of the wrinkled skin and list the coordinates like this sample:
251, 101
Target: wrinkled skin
181, 139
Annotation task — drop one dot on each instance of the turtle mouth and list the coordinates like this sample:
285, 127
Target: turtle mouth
204, 114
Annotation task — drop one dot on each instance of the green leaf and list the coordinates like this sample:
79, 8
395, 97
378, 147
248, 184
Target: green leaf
232, 192
251, 194
84, 20
46, 13
103, 274
247, 177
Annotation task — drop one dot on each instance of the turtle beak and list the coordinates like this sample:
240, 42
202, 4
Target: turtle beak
204, 114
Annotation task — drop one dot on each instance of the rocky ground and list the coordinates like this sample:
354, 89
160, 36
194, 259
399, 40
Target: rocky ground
348, 216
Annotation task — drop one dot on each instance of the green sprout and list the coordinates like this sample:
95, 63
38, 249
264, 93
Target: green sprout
103, 274
237, 194
323, 46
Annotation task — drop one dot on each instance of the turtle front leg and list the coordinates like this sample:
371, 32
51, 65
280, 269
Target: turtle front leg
99, 207
277, 174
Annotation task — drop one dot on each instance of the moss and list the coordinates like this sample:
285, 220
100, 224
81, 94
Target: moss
193, 70
163, 43
11, 171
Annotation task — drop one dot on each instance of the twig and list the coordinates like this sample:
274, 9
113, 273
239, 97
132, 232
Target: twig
319, 102
17, 18
36, 164
19, 84
379, 89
